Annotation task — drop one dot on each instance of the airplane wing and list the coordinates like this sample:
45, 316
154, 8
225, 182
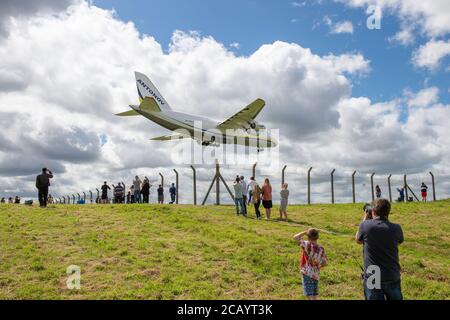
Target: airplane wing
171, 137
241, 119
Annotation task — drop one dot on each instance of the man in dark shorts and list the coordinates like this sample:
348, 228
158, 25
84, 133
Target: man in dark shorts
105, 189
381, 239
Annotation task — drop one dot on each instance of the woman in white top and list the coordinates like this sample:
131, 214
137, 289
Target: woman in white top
284, 193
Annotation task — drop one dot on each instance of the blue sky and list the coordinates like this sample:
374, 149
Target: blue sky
252, 23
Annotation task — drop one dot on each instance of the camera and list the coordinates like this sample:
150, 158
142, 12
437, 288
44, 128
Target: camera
368, 209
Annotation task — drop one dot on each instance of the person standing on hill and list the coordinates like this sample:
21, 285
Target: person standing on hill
244, 194
250, 187
137, 189
401, 192
160, 194
378, 192
105, 189
145, 190
119, 191
423, 191
381, 240
256, 198
266, 192
42, 184
284, 194
173, 193
238, 199
313, 259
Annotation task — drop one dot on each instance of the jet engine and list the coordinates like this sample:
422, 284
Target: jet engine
253, 125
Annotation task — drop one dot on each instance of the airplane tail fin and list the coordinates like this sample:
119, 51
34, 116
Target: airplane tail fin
146, 88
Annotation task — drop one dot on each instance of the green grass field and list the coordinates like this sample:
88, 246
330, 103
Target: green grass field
187, 252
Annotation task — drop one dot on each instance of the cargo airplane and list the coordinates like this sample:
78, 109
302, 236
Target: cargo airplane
240, 129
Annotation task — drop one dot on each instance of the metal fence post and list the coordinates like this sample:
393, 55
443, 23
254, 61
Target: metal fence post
254, 170
309, 185
162, 179
98, 196
84, 196
389, 187
433, 186
176, 184
217, 183
371, 184
405, 186
332, 185
195, 184
353, 186
90, 193
282, 175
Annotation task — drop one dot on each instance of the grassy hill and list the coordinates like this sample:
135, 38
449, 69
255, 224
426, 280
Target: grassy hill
187, 252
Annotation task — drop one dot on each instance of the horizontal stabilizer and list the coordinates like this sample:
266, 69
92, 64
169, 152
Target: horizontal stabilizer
128, 114
170, 137
149, 105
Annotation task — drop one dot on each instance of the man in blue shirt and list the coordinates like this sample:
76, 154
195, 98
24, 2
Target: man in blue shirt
401, 193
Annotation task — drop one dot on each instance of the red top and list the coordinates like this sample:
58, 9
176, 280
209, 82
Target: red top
267, 192
313, 258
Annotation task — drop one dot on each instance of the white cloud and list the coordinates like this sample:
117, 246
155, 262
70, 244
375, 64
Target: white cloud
431, 54
14, 8
350, 63
342, 27
298, 4
432, 16
57, 106
338, 27
424, 98
404, 37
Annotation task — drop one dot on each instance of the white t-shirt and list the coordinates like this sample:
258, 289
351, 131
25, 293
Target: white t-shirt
251, 185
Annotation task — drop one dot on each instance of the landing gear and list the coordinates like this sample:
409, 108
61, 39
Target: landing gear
211, 142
